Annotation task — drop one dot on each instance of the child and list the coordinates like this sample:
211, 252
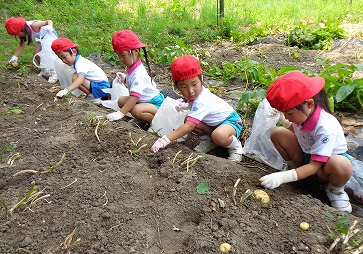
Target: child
213, 119
145, 99
27, 31
314, 144
89, 78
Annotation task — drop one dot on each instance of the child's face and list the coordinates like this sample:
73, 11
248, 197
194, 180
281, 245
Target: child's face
299, 116
128, 58
67, 58
190, 88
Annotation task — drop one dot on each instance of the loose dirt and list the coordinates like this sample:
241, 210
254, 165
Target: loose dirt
105, 198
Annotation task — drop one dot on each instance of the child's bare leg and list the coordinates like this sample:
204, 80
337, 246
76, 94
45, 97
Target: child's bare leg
287, 145
222, 135
337, 171
122, 101
202, 129
85, 86
144, 111
37, 49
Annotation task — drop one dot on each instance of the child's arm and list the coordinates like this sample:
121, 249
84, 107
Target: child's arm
118, 115
186, 128
274, 180
38, 24
17, 53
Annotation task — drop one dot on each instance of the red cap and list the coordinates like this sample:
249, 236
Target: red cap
125, 40
14, 25
292, 89
185, 67
62, 44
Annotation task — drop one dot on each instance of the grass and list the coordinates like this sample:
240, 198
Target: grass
162, 23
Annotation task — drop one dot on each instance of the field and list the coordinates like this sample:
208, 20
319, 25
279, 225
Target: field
102, 198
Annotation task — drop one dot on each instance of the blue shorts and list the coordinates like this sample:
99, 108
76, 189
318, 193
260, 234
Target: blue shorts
233, 120
96, 88
157, 100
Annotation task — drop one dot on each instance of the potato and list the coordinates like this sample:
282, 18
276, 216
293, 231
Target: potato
224, 247
15, 64
304, 225
262, 196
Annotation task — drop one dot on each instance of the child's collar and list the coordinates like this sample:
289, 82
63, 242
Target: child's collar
133, 67
312, 120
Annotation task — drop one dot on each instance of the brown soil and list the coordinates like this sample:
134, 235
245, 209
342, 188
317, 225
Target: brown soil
116, 202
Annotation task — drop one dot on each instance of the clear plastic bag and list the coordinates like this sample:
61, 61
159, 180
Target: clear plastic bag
355, 182
65, 73
259, 142
47, 55
117, 90
167, 118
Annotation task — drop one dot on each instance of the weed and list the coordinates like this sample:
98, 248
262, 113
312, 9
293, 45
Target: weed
5, 214
55, 165
9, 148
343, 233
90, 116
136, 151
14, 111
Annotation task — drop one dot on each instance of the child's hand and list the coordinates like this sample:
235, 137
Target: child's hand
286, 123
63, 92
121, 78
160, 143
182, 106
13, 59
274, 180
115, 116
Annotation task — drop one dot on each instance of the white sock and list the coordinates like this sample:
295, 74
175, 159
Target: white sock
335, 189
234, 142
291, 164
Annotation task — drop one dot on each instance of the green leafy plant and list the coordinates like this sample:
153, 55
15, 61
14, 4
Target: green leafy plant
8, 149
14, 111
340, 228
312, 36
202, 188
91, 116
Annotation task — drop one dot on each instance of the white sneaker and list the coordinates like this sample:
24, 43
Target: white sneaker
53, 79
205, 146
235, 154
94, 100
339, 200
44, 73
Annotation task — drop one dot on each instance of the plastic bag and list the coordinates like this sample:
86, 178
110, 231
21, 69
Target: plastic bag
259, 142
167, 118
355, 182
47, 55
117, 90
65, 73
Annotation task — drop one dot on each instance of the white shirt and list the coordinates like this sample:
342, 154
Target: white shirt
321, 136
209, 109
89, 69
140, 84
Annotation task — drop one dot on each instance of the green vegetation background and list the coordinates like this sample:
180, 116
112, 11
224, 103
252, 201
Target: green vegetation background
161, 23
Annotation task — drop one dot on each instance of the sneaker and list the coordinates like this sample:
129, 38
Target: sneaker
53, 79
44, 73
339, 200
235, 154
205, 146
96, 101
